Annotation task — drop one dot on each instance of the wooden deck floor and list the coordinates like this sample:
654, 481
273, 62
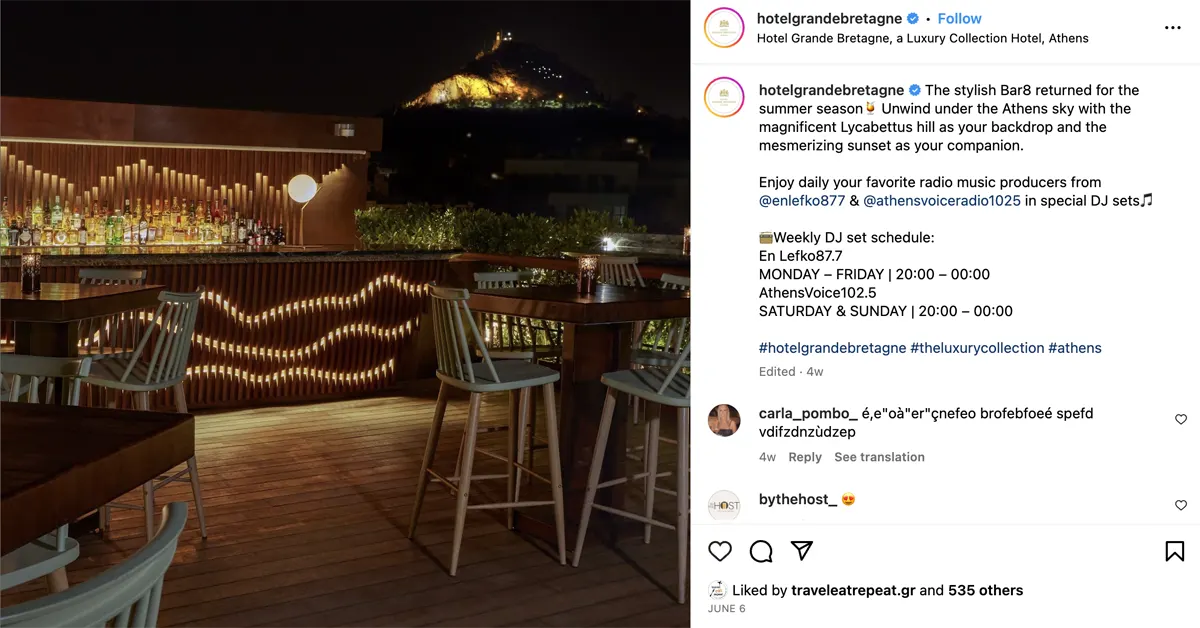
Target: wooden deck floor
307, 512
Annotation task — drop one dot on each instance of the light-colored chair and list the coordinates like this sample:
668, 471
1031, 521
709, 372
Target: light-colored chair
662, 341
660, 344
114, 335
127, 595
46, 557
623, 271
455, 330
620, 271
516, 338
669, 387
168, 339
32, 379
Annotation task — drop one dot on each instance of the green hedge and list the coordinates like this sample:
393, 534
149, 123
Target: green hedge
420, 226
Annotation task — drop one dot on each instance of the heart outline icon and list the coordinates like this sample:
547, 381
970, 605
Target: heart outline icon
1181, 503
720, 550
1181, 418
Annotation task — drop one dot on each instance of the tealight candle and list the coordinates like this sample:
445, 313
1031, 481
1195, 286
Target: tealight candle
31, 273
587, 274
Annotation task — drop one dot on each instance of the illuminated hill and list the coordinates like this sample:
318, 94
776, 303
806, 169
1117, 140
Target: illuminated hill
512, 75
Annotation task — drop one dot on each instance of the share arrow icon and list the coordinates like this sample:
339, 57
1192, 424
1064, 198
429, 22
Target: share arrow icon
802, 547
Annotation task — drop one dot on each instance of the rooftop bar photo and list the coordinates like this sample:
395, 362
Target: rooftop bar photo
429, 366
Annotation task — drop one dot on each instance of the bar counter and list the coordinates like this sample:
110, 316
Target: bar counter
277, 324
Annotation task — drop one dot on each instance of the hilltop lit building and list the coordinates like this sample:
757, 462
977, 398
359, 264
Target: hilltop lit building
512, 75
516, 130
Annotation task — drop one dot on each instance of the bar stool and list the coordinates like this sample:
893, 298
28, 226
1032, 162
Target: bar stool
669, 387
108, 336
516, 338
660, 345
49, 555
451, 318
623, 271
171, 329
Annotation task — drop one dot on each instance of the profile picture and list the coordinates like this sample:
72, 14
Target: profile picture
724, 27
724, 420
724, 97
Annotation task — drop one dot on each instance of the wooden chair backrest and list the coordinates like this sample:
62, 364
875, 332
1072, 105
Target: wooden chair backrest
455, 331
26, 375
170, 330
620, 271
112, 277
127, 595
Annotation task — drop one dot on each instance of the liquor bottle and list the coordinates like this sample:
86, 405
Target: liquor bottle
100, 233
81, 235
76, 218
180, 231
4, 217
59, 233
242, 232
36, 217
152, 228
214, 224
69, 227
56, 212
143, 230
110, 223
128, 223
14, 233
35, 233
226, 230
280, 236
112, 227
186, 214
155, 223
173, 216
25, 237
202, 224
93, 223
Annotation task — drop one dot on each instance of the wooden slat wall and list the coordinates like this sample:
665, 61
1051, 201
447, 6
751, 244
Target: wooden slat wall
264, 330
254, 183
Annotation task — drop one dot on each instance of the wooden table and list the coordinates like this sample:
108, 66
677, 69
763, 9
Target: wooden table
57, 463
47, 322
596, 340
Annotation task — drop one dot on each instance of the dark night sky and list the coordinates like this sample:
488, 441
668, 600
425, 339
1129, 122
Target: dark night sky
325, 57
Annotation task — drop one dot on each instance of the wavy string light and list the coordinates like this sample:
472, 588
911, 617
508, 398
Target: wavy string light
304, 306
353, 329
293, 373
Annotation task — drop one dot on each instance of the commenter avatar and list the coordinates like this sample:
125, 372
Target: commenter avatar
724, 420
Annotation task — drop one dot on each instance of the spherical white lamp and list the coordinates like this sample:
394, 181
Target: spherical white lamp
302, 188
